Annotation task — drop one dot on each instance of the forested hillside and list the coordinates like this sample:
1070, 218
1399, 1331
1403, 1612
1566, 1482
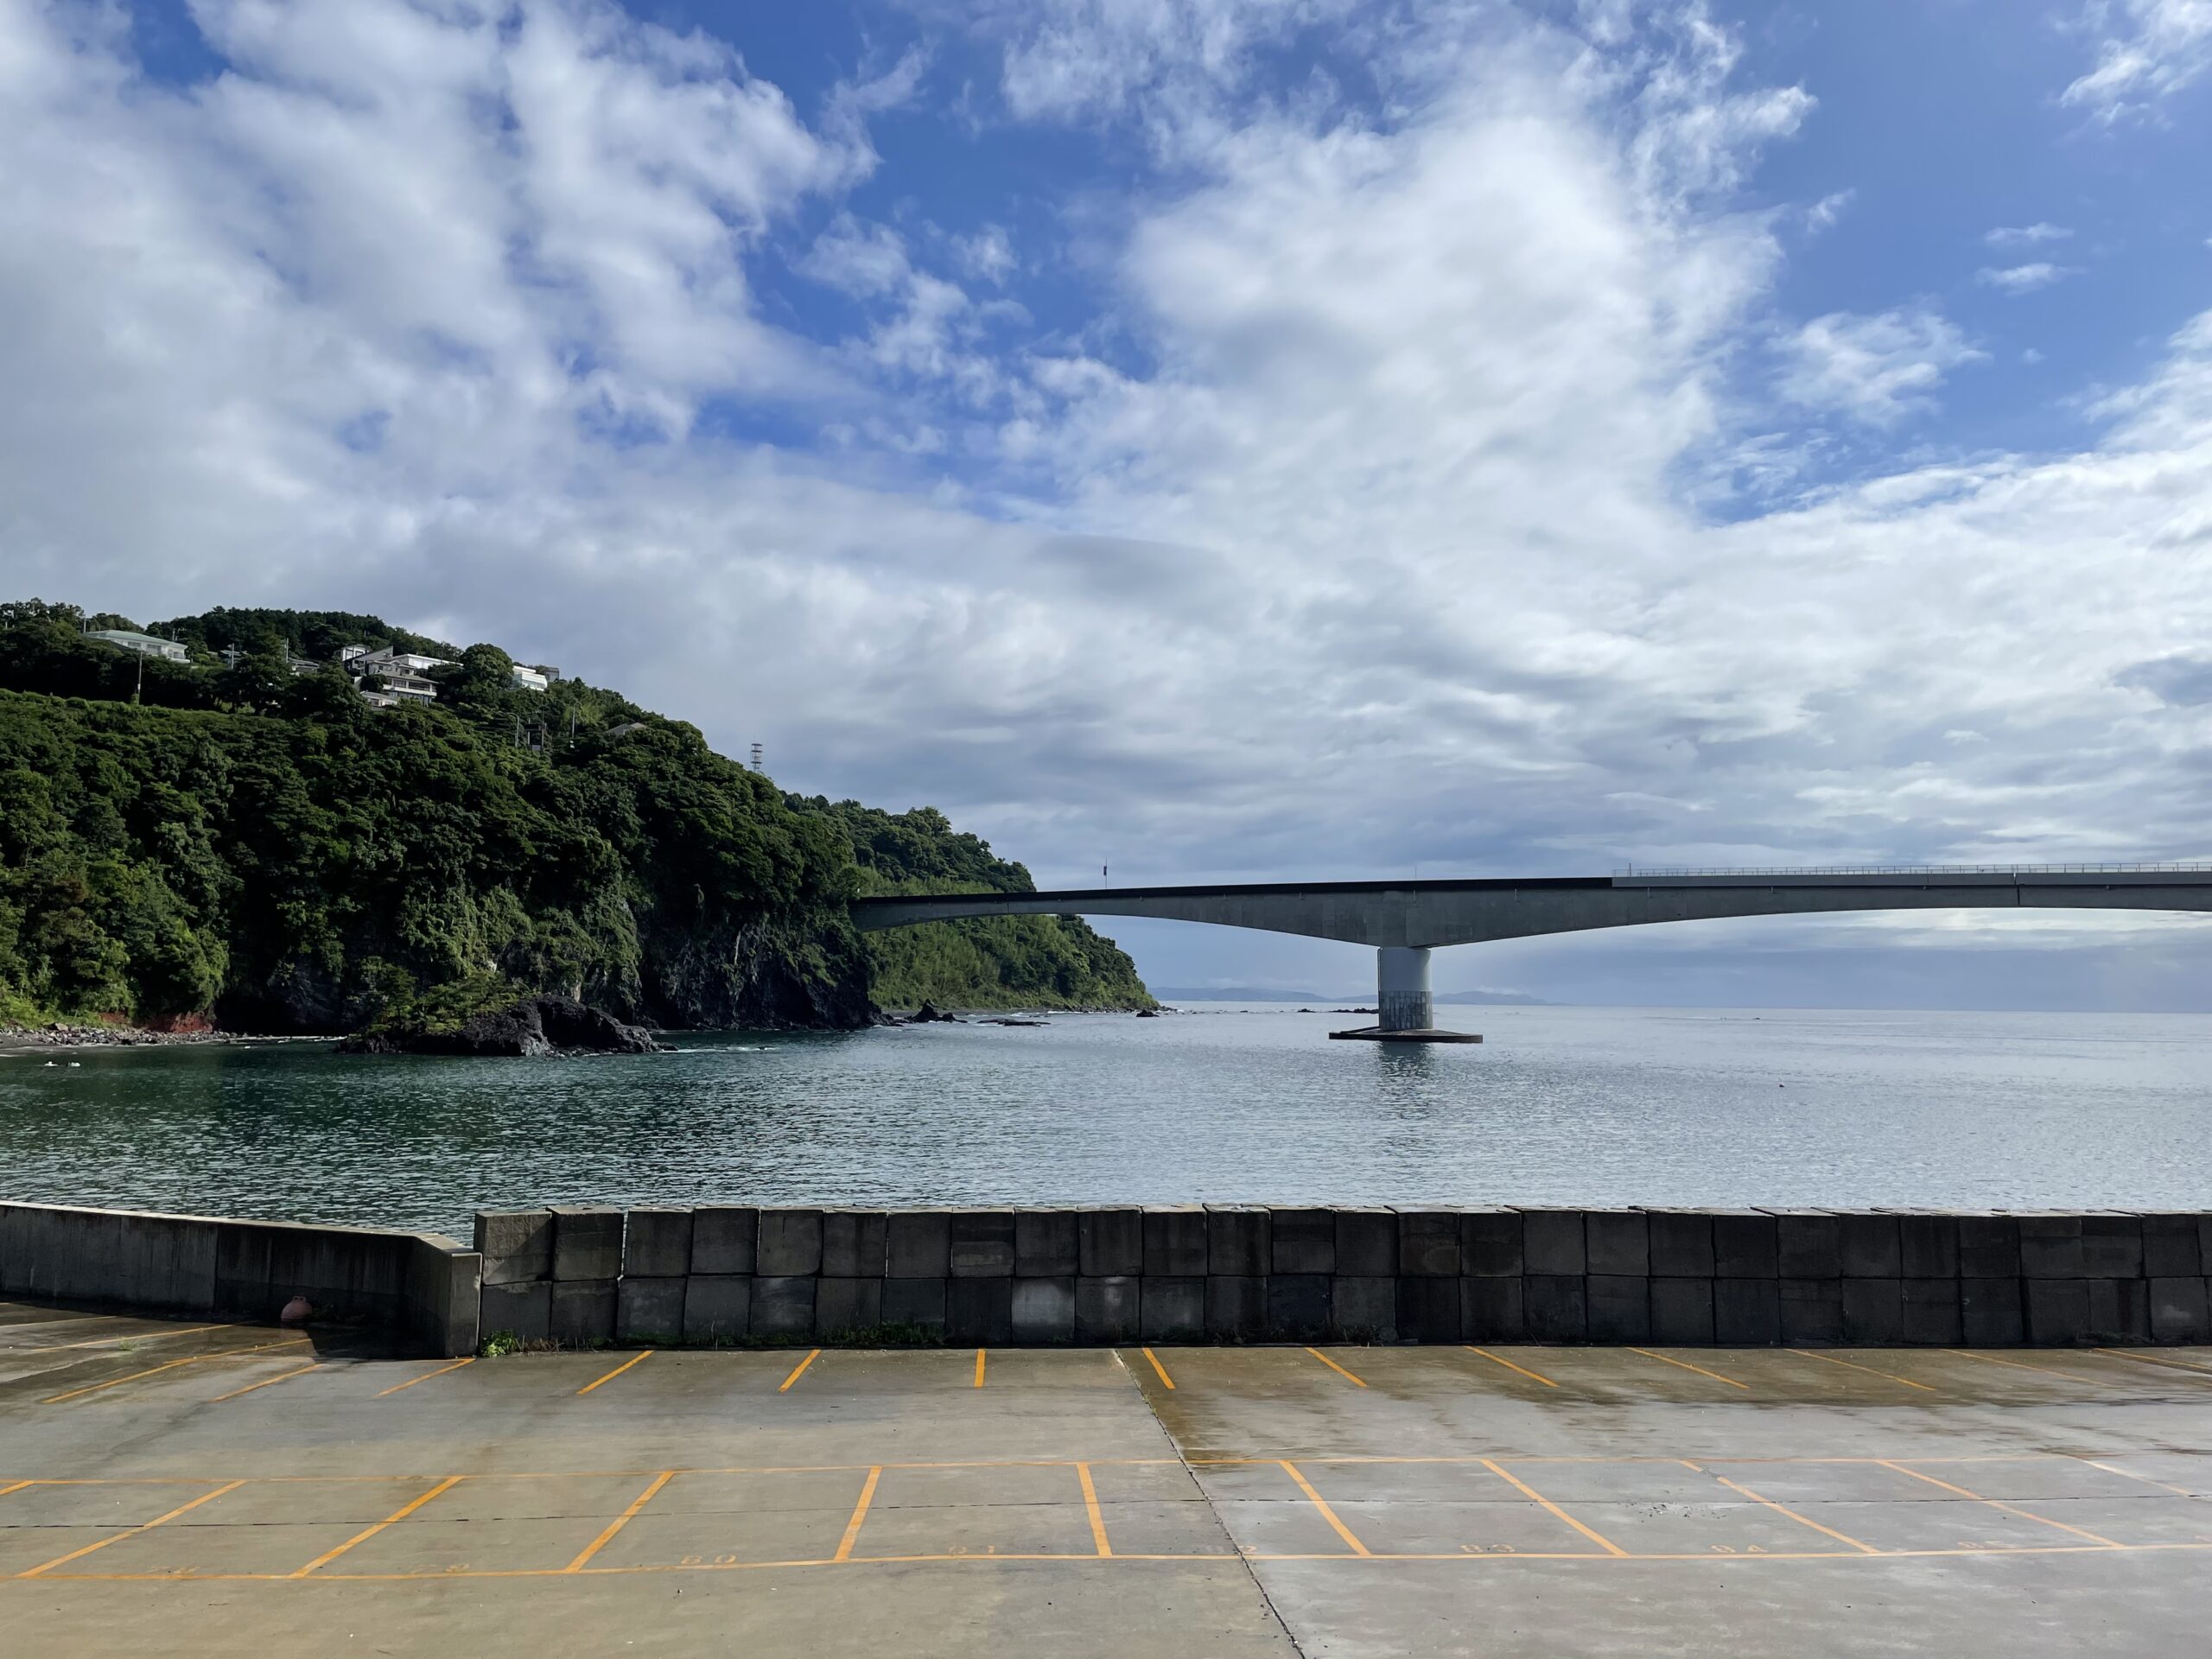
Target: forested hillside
989, 962
259, 846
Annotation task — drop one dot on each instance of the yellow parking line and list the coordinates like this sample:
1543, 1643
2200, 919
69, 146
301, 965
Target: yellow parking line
17, 1487
397, 1387
1533, 1495
1340, 1371
621, 1520
1783, 1509
267, 1383
1726, 1561
128, 1336
2129, 1474
169, 1365
1090, 1508
634, 1359
979, 1368
798, 1371
2019, 1366
1994, 1503
1166, 1380
1496, 1360
393, 1519
2156, 1359
1321, 1504
1853, 1365
860, 1514
1686, 1366
131, 1532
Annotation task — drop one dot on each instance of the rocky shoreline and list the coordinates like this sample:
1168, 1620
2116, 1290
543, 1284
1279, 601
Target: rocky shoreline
28, 1038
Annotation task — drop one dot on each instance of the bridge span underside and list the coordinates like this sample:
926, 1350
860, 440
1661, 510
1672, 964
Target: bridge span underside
1405, 920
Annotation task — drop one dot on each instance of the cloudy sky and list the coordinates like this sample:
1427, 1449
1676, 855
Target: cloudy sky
1224, 439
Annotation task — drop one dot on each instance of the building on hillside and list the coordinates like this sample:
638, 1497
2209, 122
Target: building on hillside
388, 677
407, 662
534, 679
400, 684
146, 644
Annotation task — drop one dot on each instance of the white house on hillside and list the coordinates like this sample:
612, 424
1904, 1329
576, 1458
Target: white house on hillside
146, 644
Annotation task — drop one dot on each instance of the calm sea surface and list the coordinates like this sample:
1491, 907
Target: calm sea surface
1567, 1106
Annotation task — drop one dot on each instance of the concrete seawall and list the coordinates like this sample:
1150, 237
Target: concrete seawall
421, 1285
1250, 1273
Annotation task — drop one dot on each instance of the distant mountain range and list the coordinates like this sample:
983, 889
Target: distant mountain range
1267, 994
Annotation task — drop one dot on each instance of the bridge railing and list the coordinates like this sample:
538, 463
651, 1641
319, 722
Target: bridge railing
1918, 869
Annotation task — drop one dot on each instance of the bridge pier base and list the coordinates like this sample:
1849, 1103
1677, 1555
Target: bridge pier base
1403, 1005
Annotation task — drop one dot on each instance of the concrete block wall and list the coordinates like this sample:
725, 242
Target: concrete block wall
1231, 1273
421, 1284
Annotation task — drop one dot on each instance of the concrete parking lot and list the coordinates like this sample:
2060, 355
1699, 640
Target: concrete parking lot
204, 1489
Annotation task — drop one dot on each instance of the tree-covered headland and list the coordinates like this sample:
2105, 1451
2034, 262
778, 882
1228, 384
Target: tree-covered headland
241, 839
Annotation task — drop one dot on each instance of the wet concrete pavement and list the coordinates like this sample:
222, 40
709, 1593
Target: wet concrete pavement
172, 1488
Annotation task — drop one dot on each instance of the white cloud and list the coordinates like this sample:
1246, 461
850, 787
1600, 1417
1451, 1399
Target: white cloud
987, 256
2147, 51
1345, 526
2022, 279
2012, 236
1823, 214
1065, 59
1875, 369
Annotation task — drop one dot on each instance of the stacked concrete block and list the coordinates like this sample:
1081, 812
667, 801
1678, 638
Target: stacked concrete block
1430, 1302
516, 1246
725, 1252
1239, 1253
1239, 1272
917, 1262
1046, 1254
1301, 1274
587, 1268
1109, 1268
1172, 1301
979, 1288
1680, 1243
1618, 1246
1364, 1301
2176, 1260
787, 1272
849, 1299
1871, 1296
655, 1269
1491, 1304
1555, 1258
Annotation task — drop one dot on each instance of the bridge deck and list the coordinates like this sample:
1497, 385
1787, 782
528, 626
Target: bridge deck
1467, 910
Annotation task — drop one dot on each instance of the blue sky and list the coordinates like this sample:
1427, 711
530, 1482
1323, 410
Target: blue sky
1237, 439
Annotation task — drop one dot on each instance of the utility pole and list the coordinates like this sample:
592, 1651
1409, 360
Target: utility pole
756, 757
1103, 871
137, 691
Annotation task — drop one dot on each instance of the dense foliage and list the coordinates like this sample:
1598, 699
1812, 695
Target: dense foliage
260, 846
1049, 962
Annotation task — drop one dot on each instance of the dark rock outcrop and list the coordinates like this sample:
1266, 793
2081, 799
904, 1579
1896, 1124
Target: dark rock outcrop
534, 1024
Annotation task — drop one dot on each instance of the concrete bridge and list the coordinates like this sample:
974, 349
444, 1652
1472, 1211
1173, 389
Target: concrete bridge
1406, 920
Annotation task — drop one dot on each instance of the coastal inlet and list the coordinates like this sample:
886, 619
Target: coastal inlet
1598, 1108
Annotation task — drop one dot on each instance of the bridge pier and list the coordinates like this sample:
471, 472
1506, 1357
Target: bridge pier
1403, 1001
1405, 1009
